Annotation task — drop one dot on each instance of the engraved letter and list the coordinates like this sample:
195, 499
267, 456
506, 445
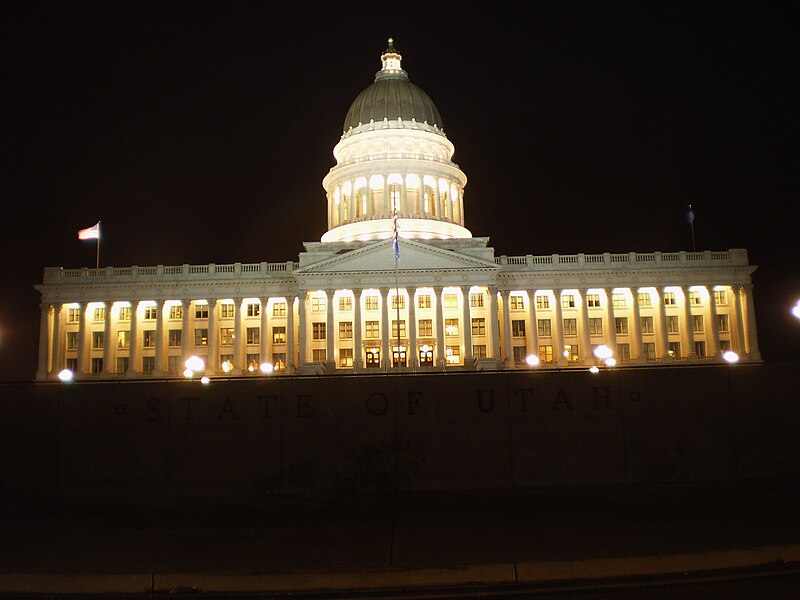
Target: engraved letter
153, 409
304, 405
523, 394
266, 400
600, 396
228, 408
376, 408
486, 406
413, 402
189, 403
561, 398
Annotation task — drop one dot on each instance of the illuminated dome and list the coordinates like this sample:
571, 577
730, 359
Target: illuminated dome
394, 157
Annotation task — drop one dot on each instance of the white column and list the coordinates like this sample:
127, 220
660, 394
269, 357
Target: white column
290, 342
108, 342
212, 357
534, 324
159, 369
583, 329
413, 352
187, 340
55, 348
635, 328
558, 330
82, 340
688, 326
494, 326
611, 335
738, 340
662, 347
239, 368
508, 359
133, 352
265, 344
302, 333
385, 331
358, 351
712, 327
330, 336
45, 309
441, 343
750, 323
467, 319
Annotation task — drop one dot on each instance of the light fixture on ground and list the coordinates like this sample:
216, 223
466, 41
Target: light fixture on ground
193, 364
205, 380
604, 353
532, 360
730, 356
266, 368
66, 375
796, 310
227, 366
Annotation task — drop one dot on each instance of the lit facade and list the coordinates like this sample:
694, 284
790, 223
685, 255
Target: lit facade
348, 304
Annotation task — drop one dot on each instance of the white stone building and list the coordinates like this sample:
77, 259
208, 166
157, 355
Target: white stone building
348, 304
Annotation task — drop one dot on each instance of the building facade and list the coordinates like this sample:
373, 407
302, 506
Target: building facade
396, 283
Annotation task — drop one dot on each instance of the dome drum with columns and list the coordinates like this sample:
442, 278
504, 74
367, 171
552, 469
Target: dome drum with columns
434, 298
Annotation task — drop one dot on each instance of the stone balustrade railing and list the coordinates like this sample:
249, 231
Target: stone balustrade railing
610, 260
172, 272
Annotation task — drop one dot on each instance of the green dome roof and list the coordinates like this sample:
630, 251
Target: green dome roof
392, 96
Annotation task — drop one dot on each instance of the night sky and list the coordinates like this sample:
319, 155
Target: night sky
200, 132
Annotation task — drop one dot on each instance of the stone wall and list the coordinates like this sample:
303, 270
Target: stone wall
458, 430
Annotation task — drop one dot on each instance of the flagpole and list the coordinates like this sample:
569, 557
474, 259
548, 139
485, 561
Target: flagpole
691, 222
97, 264
396, 247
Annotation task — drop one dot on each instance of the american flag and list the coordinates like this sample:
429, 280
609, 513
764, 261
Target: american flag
90, 233
395, 237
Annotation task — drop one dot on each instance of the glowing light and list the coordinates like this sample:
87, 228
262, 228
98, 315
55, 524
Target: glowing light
611, 362
227, 366
188, 373
532, 360
594, 369
730, 356
267, 368
66, 375
195, 363
425, 348
205, 380
796, 310
602, 352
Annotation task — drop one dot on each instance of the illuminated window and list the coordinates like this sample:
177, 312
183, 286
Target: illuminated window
345, 303
370, 303
149, 338
319, 355
621, 325
402, 302
453, 355
279, 335
543, 302
571, 353
451, 327
593, 300
253, 335
479, 351
647, 324
253, 309
371, 330
644, 299
318, 304
150, 313
123, 339
426, 328
226, 310
176, 311
345, 357
225, 337
619, 300
722, 323
518, 328
225, 358
72, 340
478, 326
318, 330
73, 315
694, 298
546, 353
124, 313
99, 314
570, 327
279, 309
345, 330
451, 300
174, 336
252, 361
279, 361
519, 353
201, 311
476, 300
516, 302
424, 301
672, 324
674, 349
543, 327
697, 323
567, 301
402, 332
721, 297
669, 298
595, 326
97, 340
201, 337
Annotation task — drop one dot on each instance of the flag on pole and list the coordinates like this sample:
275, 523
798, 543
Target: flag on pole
395, 240
690, 215
90, 233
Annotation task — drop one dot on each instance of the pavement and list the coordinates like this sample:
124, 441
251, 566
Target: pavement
297, 544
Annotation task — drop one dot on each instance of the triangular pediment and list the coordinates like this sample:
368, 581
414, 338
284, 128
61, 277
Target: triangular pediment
414, 256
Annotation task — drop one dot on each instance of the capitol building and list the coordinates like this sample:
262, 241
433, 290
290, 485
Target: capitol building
397, 283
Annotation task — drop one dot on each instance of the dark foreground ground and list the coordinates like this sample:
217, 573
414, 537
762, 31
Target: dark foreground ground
497, 543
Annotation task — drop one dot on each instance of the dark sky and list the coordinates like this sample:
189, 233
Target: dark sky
200, 132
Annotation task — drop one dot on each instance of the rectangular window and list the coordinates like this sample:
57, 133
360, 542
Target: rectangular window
226, 358
646, 324
227, 310
453, 355
279, 335
700, 349
644, 299
201, 311
546, 353
518, 328
124, 314
253, 361
345, 303
345, 330
567, 301
649, 350
724, 345
619, 300
253, 309
174, 336
672, 324
345, 358
694, 298
669, 298
451, 327
253, 335
424, 301
72, 364
72, 340
722, 323
398, 299
150, 313
571, 352
201, 337
595, 326
624, 352
97, 365
176, 311
516, 302
402, 333
172, 364
279, 309
674, 349
319, 330
479, 351
371, 330
621, 325
123, 339
721, 297
225, 336
697, 323
519, 354
319, 355
318, 304
451, 301
425, 328
73, 315
122, 365
476, 300
544, 329
570, 327
593, 300
279, 361
149, 338
99, 315
148, 364
478, 326
97, 340
543, 302
370, 302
